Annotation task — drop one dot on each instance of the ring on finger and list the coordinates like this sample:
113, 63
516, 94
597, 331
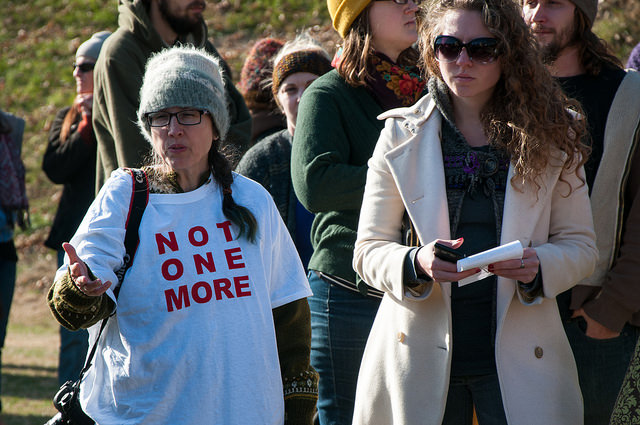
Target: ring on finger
522, 263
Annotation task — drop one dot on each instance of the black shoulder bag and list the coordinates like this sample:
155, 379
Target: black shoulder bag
67, 399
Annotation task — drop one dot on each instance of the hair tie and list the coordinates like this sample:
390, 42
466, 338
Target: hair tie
226, 191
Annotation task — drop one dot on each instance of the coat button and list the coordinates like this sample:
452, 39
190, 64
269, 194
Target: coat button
538, 352
401, 337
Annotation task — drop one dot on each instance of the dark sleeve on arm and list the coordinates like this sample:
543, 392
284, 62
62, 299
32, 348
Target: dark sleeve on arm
412, 277
62, 161
255, 165
117, 80
72, 308
619, 298
300, 381
240, 130
532, 290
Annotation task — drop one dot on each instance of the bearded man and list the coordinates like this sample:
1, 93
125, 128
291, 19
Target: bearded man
146, 27
602, 314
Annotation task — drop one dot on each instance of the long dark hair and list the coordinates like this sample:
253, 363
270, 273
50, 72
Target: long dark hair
69, 118
239, 215
593, 51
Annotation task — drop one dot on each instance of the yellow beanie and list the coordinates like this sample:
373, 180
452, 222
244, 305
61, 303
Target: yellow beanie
344, 12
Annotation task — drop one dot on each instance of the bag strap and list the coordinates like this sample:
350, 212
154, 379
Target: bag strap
137, 205
139, 200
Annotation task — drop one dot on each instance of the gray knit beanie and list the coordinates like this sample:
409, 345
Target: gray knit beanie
184, 77
589, 8
91, 47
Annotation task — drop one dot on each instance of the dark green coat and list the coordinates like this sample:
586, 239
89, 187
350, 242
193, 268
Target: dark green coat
336, 132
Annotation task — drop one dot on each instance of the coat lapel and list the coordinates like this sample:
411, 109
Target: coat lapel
416, 166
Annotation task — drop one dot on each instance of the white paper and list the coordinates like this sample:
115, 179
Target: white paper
512, 250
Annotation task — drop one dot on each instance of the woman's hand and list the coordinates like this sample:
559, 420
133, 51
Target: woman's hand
441, 270
523, 270
84, 103
80, 274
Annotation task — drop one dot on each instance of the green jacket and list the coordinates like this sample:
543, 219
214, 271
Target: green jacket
336, 131
117, 80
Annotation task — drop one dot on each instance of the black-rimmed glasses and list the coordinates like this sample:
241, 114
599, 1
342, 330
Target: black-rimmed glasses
482, 50
186, 117
84, 67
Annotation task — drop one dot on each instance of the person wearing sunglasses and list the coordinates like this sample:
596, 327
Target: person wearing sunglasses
69, 160
491, 155
336, 131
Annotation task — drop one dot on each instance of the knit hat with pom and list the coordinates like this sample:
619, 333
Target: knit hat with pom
256, 73
184, 77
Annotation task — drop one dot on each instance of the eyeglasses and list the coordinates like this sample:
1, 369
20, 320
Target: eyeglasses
186, 117
416, 2
481, 50
84, 67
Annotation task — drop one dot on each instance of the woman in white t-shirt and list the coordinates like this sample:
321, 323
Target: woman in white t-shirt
211, 323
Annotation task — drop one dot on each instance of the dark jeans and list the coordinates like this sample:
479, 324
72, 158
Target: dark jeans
602, 364
7, 285
73, 348
483, 391
340, 323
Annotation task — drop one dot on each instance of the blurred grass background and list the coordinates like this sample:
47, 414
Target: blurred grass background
38, 40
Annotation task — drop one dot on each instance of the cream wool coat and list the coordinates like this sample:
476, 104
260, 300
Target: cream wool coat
404, 376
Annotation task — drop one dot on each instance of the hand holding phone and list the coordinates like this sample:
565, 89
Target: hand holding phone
447, 253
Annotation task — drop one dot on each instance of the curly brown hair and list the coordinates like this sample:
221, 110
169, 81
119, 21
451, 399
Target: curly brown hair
358, 48
528, 115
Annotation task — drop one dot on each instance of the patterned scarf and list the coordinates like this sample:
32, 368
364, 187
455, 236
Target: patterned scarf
394, 85
468, 171
13, 194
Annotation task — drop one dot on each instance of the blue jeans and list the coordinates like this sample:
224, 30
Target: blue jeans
602, 364
73, 348
483, 391
7, 285
340, 323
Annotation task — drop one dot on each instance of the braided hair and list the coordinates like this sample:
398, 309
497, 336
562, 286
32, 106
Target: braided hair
239, 215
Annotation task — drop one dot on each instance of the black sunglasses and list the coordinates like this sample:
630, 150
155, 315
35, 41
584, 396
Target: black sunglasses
481, 50
84, 67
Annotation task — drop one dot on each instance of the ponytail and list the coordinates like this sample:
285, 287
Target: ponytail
239, 215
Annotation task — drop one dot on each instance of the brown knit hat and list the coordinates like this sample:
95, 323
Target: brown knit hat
344, 12
314, 61
256, 72
588, 7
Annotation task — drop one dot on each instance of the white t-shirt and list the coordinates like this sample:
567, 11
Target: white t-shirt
193, 339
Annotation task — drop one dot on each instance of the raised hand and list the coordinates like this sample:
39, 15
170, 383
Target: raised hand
80, 274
